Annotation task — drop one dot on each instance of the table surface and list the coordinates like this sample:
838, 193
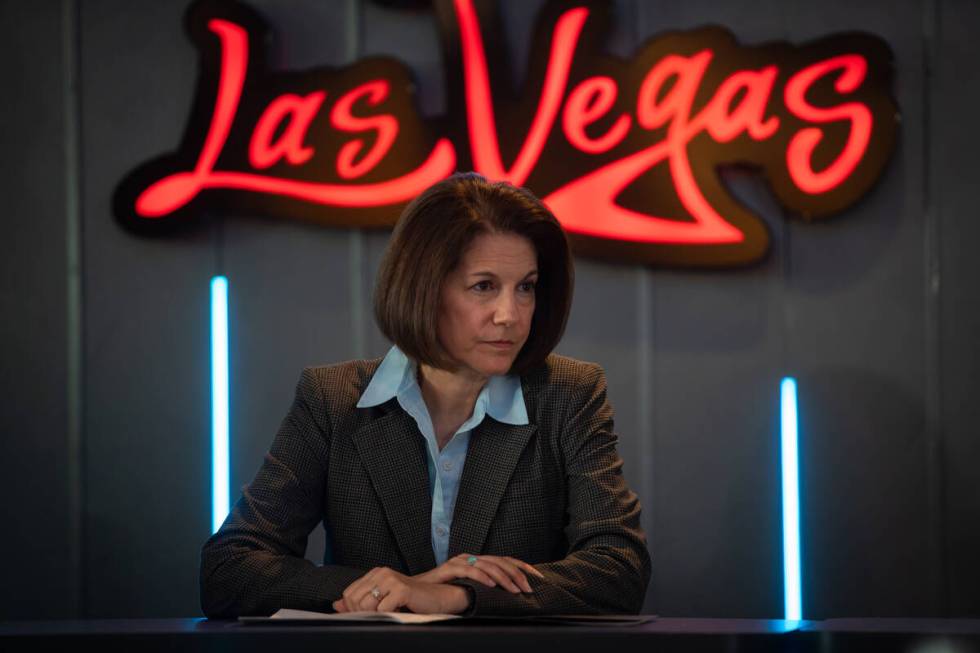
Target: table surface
658, 625
201, 625
661, 634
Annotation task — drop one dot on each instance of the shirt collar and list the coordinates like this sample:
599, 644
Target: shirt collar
396, 374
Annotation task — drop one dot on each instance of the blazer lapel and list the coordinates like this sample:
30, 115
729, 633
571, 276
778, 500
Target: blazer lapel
393, 452
493, 452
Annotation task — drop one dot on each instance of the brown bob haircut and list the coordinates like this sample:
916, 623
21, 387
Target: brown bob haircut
433, 233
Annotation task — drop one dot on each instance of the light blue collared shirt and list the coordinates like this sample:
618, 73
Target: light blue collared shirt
501, 398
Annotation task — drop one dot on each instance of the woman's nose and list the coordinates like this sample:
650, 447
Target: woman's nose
505, 311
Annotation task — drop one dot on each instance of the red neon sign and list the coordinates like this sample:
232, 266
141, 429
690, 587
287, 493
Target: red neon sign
626, 153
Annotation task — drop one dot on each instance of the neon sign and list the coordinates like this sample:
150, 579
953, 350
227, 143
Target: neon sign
627, 153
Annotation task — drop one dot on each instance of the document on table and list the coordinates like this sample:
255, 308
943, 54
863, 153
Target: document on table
288, 615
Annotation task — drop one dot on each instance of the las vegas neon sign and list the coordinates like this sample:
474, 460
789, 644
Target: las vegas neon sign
627, 153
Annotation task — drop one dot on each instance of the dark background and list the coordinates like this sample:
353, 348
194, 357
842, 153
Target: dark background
105, 336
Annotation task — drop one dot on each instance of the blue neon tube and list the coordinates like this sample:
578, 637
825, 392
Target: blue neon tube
792, 583
219, 402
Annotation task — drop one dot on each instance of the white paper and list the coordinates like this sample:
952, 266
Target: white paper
389, 617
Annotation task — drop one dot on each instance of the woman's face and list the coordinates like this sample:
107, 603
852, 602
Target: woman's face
487, 303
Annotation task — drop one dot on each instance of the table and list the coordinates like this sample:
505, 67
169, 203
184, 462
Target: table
664, 634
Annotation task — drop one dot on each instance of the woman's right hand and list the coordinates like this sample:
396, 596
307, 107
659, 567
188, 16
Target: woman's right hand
505, 571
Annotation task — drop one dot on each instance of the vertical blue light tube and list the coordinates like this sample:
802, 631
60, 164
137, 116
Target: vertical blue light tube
219, 402
792, 584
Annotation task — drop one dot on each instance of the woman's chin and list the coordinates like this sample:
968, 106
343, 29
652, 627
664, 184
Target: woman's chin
494, 366
498, 367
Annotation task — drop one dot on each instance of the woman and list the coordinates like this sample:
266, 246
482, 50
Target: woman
471, 471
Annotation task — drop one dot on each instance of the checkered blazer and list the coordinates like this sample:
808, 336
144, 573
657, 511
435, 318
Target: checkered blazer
550, 493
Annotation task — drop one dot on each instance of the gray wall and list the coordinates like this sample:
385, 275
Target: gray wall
105, 431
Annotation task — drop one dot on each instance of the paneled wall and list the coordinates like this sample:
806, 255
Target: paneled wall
105, 335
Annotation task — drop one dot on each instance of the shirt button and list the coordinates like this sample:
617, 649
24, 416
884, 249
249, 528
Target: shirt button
447, 465
440, 531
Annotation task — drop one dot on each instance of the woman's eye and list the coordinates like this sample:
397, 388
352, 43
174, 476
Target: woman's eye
482, 285
528, 286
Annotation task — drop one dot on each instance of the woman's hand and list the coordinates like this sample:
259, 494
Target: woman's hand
385, 590
505, 571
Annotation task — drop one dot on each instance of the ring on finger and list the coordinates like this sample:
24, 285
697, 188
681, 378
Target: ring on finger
376, 593
471, 560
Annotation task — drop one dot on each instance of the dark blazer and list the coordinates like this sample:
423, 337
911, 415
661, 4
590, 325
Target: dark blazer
550, 493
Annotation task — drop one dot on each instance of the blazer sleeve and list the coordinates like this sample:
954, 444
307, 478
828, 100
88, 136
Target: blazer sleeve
607, 566
254, 564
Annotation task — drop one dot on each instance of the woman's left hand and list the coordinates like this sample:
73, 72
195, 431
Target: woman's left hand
396, 590
509, 573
